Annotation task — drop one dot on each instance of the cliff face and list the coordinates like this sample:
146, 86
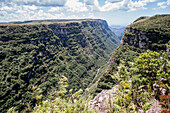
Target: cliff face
148, 33
138, 40
38, 53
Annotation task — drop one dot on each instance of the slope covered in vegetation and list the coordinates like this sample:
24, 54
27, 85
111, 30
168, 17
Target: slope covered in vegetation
135, 90
34, 56
145, 33
140, 66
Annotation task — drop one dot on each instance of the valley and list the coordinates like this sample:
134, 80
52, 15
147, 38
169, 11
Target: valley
80, 65
38, 53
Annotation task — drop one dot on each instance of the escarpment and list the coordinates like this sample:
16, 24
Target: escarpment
151, 33
153, 39
35, 54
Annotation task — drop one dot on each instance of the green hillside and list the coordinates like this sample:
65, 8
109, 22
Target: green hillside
36, 55
140, 68
145, 33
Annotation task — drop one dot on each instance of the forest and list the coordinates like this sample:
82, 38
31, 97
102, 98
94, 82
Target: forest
37, 55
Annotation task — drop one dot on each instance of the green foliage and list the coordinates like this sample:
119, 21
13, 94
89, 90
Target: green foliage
141, 18
150, 67
147, 65
59, 102
135, 82
125, 101
158, 23
164, 72
123, 52
124, 93
62, 104
146, 72
145, 69
37, 54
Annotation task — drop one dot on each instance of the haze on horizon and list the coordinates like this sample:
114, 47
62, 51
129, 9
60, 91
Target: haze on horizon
115, 12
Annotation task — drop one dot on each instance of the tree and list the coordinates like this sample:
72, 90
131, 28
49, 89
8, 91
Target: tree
147, 65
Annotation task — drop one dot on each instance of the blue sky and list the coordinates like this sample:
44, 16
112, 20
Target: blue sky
115, 12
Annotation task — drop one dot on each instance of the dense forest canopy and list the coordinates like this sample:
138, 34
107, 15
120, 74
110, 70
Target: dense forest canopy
37, 54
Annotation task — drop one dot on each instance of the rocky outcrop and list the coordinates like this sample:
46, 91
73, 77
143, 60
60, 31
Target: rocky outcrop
99, 102
154, 108
137, 38
64, 30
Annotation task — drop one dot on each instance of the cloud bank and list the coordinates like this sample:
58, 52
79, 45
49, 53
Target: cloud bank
11, 10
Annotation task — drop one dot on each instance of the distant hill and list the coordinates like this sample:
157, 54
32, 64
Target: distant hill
35, 54
118, 30
2, 22
50, 21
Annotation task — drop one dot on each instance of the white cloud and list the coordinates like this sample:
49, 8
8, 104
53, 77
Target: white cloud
32, 7
139, 5
92, 5
44, 15
6, 8
24, 15
41, 14
163, 4
21, 11
91, 2
122, 5
3, 14
75, 6
11, 10
26, 9
168, 2
125, 5
54, 9
44, 3
80, 16
51, 2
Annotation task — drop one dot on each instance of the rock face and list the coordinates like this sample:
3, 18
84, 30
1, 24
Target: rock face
152, 33
154, 108
99, 102
138, 40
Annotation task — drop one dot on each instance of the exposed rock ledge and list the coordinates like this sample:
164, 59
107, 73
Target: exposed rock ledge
100, 106
99, 102
139, 39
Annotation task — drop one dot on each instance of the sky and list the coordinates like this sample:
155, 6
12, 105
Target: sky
115, 12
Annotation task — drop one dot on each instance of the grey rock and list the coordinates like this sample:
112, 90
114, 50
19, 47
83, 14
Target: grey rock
99, 102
